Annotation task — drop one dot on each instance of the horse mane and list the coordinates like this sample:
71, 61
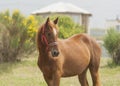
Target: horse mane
38, 36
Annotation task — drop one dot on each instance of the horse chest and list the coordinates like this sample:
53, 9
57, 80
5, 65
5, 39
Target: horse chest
46, 67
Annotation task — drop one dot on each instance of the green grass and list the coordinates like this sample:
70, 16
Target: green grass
26, 73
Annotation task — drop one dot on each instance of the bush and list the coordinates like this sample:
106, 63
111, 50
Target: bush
17, 35
67, 27
112, 44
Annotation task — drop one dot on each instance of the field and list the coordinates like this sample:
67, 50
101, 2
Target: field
26, 73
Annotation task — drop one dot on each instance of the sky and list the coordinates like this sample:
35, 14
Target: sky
101, 10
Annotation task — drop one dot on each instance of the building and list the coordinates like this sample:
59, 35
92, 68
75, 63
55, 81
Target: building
68, 9
115, 24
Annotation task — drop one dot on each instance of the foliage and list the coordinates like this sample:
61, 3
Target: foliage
18, 35
67, 27
112, 44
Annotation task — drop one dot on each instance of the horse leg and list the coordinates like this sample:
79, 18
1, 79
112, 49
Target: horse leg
48, 80
95, 75
83, 79
56, 79
52, 80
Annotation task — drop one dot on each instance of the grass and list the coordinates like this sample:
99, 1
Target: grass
26, 73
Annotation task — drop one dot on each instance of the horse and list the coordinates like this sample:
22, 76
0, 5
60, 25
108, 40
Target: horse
67, 57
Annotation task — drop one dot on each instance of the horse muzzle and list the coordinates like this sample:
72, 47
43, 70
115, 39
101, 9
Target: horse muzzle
54, 50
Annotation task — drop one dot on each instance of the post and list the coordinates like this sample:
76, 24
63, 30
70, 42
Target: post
84, 22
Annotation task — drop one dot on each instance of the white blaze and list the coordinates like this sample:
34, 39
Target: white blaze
54, 31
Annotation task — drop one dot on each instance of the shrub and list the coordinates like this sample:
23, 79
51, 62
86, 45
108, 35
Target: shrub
112, 44
67, 27
18, 35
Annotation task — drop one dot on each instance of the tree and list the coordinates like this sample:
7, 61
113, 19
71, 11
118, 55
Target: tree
112, 44
67, 27
17, 36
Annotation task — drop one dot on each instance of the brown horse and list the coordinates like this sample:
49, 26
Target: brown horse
67, 57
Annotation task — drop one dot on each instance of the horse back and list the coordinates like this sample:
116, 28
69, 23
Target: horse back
92, 44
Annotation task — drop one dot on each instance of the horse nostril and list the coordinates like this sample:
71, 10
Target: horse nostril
55, 53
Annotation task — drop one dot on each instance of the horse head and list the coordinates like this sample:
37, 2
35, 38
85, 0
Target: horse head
49, 36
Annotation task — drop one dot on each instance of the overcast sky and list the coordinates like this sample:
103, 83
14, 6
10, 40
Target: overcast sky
101, 10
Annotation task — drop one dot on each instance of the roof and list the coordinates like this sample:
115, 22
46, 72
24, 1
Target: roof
61, 7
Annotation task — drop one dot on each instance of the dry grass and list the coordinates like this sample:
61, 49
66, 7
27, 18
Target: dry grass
26, 73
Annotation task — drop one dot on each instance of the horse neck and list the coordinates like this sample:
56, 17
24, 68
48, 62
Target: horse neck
41, 47
43, 55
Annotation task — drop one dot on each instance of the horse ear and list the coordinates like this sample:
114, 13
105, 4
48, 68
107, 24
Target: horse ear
56, 21
48, 19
